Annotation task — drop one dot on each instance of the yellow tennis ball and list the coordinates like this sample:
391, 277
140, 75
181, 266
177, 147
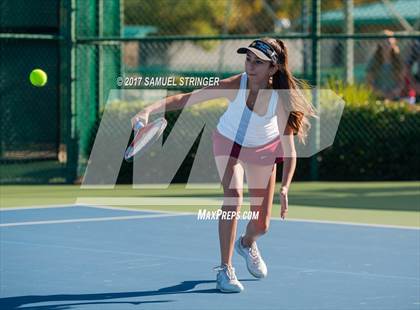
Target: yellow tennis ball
38, 77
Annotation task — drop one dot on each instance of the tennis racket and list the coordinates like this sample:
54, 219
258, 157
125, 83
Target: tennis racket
144, 136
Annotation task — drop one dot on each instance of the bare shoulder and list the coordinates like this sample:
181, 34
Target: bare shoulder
232, 82
281, 113
228, 86
280, 108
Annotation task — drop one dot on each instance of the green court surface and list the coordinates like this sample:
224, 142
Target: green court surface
383, 203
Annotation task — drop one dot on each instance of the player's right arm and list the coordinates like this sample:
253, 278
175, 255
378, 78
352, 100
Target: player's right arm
226, 88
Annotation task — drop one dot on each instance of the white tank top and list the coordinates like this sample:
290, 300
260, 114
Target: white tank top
245, 127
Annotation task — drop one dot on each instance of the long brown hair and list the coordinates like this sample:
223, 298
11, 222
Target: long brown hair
298, 107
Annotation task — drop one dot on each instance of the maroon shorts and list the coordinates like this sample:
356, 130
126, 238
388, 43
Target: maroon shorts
266, 154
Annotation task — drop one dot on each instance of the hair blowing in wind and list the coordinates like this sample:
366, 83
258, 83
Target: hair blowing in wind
296, 104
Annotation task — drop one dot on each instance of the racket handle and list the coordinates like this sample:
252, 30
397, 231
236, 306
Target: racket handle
138, 125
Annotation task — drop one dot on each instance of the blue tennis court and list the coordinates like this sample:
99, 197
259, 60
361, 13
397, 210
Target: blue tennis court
81, 257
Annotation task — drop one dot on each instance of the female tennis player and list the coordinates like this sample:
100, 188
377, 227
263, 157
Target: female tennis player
263, 101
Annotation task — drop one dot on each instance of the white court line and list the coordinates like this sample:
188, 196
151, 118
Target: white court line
210, 261
157, 201
37, 207
125, 253
136, 210
87, 205
350, 273
148, 201
273, 218
194, 213
97, 219
347, 223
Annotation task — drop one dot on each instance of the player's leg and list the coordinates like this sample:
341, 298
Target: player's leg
232, 177
261, 185
231, 174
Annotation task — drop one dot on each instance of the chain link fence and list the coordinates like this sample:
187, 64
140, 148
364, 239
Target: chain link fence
368, 54
30, 119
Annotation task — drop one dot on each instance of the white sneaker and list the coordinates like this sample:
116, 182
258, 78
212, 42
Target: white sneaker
254, 262
226, 280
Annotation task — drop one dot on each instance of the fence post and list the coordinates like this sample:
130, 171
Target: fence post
316, 81
86, 83
349, 25
68, 131
110, 15
306, 45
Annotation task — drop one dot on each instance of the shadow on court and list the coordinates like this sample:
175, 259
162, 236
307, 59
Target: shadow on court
185, 287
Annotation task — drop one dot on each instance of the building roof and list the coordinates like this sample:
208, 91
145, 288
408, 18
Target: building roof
376, 13
137, 31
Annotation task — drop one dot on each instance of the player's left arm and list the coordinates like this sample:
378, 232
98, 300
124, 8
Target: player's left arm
289, 163
289, 157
